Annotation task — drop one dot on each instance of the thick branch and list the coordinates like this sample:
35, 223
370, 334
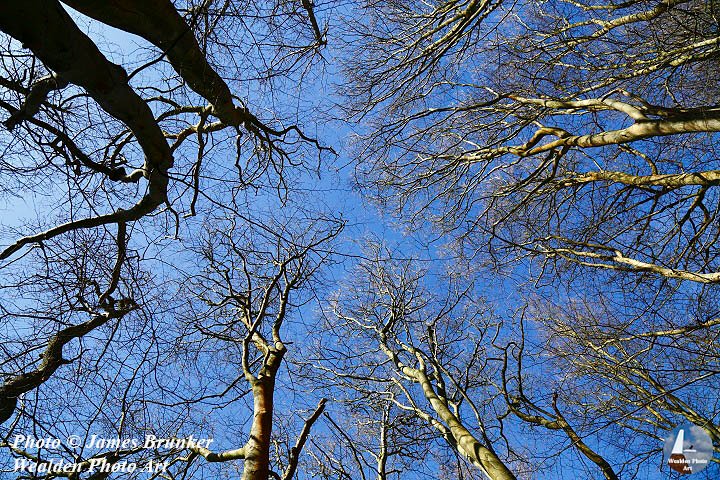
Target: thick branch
464, 441
113, 173
619, 261
671, 180
696, 122
36, 96
295, 451
160, 23
52, 359
210, 456
310, 9
45, 28
473, 450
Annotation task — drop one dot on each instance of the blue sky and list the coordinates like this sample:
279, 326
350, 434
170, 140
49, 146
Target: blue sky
332, 191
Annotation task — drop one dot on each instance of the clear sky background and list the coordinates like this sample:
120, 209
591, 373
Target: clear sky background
332, 190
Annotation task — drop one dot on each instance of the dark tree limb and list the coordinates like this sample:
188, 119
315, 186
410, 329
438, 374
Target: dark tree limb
295, 451
46, 28
35, 97
52, 359
117, 174
160, 24
309, 8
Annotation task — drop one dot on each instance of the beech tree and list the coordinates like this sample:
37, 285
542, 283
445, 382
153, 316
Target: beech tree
427, 362
126, 151
133, 148
250, 285
572, 145
570, 132
178, 291
615, 377
423, 354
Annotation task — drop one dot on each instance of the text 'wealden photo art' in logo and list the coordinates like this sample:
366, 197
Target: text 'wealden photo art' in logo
688, 449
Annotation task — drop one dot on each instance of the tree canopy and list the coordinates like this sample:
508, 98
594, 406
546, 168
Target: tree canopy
353, 240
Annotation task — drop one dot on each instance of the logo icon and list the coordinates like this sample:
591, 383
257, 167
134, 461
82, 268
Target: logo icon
688, 449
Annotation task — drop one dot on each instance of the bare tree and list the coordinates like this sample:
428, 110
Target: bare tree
615, 377
425, 354
73, 117
84, 286
165, 287
368, 437
226, 348
573, 145
126, 147
587, 385
572, 132
248, 286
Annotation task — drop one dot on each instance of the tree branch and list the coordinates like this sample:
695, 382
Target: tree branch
300, 443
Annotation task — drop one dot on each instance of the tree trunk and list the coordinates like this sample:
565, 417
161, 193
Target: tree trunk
257, 459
